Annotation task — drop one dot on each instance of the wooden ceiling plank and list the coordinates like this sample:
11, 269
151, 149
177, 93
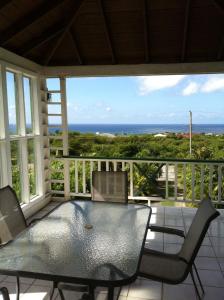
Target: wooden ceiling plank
71, 20
146, 29
185, 33
107, 31
27, 20
219, 5
3, 3
75, 44
48, 34
220, 50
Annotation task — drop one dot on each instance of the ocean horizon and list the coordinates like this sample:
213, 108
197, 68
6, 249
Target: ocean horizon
124, 129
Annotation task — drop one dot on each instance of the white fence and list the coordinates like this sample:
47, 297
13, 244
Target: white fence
156, 179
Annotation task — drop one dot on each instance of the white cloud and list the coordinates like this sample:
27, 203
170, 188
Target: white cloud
108, 108
148, 84
213, 83
190, 89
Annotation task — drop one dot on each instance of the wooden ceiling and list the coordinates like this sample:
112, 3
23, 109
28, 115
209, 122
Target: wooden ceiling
106, 32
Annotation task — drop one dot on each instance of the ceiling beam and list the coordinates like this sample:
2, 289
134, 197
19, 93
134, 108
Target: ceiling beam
220, 50
185, 33
75, 44
146, 29
107, 31
71, 19
28, 20
43, 38
220, 6
3, 3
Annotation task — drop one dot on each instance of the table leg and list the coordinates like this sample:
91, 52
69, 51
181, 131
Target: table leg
110, 293
17, 288
52, 290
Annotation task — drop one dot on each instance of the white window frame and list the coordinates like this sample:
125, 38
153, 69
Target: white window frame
22, 137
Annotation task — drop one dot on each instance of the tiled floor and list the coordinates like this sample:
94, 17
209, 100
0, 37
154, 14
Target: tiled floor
210, 263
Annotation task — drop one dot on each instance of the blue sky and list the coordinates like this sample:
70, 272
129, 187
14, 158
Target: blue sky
140, 100
146, 99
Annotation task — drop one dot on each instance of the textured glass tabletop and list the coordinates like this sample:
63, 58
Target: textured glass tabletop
81, 241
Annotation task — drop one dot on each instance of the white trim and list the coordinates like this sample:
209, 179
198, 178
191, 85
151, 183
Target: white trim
6, 151
18, 61
135, 70
35, 205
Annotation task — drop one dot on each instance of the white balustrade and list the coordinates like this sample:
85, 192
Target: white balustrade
174, 180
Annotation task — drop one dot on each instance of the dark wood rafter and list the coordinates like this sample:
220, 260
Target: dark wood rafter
48, 34
220, 50
71, 20
28, 20
220, 6
185, 33
146, 29
3, 3
107, 31
76, 47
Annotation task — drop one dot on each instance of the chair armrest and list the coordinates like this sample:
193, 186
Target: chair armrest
35, 220
5, 243
5, 293
72, 287
167, 230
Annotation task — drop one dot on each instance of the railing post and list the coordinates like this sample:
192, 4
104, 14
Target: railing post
167, 181
131, 180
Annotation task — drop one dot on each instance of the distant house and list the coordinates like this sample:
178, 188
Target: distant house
160, 135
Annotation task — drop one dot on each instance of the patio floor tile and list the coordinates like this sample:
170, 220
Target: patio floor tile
178, 292
145, 289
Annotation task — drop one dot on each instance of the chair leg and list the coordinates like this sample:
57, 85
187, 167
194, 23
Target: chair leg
199, 279
118, 295
17, 288
5, 293
61, 294
91, 293
53, 289
110, 293
195, 285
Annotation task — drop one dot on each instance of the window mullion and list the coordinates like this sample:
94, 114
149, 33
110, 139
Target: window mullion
21, 106
24, 170
22, 142
6, 153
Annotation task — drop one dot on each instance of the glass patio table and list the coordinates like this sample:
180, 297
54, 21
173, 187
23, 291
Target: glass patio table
93, 243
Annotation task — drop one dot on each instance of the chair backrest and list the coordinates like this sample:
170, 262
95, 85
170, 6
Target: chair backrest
197, 231
12, 220
111, 186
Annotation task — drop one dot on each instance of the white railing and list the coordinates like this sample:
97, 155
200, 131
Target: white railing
149, 179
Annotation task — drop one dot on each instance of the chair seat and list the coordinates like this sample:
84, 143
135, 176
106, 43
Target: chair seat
161, 266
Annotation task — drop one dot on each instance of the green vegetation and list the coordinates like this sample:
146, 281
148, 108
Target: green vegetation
146, 146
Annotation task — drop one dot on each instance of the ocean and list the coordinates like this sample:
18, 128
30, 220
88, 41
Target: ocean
122, 129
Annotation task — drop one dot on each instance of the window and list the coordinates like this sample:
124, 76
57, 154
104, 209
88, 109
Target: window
20, 159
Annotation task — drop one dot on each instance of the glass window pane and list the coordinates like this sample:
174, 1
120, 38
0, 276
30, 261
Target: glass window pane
12, 103
16, 184
31, 167
28, 104
53, 84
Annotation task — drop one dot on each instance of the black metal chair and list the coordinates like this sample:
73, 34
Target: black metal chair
174, 268
111, 186
5, 293
12, 222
